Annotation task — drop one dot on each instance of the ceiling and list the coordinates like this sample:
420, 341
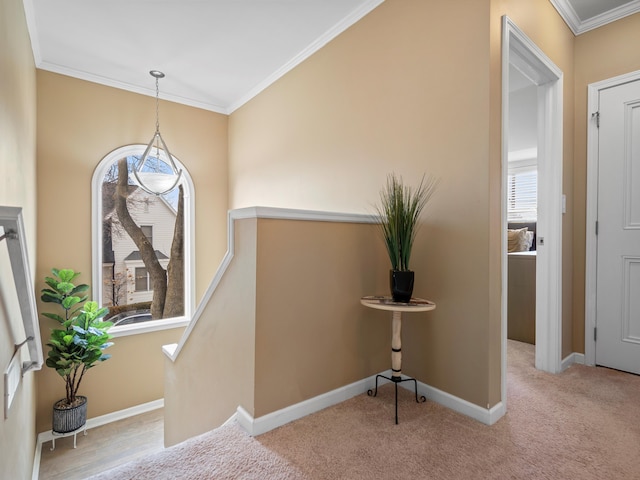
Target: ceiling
216, 54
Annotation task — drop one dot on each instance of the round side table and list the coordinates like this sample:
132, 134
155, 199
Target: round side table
397, 309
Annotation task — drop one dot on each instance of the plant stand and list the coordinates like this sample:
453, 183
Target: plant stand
68, 434
387, 303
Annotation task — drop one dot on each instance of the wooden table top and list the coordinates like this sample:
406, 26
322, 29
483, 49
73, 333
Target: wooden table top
382, 302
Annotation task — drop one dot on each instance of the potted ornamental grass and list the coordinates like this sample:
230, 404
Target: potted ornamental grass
399, 211
75, 346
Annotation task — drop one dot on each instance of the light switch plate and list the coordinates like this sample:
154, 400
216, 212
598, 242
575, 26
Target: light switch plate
12, 377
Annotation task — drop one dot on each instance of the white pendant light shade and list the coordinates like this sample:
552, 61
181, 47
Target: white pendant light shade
157, 183
155, 175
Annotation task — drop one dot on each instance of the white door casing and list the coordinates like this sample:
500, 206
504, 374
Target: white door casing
519, 50
618, 236
612, 273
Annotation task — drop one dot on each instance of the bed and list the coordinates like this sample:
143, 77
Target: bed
521, 303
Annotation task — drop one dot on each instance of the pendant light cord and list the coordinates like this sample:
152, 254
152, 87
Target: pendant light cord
157, 107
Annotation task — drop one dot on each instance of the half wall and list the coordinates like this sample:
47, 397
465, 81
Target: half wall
284, 323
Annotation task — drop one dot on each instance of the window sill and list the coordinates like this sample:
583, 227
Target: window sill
147, 327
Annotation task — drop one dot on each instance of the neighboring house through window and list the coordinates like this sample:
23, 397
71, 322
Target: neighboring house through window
139, 288
142, 282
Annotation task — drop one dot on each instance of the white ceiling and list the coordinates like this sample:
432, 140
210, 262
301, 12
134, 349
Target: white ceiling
216, 54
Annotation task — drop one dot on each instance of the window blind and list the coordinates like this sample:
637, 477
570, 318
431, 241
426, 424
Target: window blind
522, 195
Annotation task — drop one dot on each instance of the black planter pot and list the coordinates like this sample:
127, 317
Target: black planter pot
401, 284
67, 420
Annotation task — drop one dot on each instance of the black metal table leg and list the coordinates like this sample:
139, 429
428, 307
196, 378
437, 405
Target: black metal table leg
397, 380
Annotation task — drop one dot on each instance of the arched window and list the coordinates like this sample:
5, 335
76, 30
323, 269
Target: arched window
143, 244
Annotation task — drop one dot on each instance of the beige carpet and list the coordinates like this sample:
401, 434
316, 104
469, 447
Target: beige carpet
225, 453
582, 424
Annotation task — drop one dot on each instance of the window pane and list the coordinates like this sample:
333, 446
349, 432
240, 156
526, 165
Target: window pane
142, 280
522, 196
148, 232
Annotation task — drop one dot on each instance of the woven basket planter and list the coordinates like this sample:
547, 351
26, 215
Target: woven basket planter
67, 420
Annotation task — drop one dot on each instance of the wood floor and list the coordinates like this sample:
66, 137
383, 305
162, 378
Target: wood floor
103, 447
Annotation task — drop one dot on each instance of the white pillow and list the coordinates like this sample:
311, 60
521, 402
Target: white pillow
517, 240
529, 240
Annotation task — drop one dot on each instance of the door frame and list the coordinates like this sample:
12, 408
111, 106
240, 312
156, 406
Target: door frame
519, 50
591, 252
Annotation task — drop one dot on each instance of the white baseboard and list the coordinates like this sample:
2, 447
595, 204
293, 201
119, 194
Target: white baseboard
257, 426
488, 416
260, 425
571, 359
47, 436
35, 471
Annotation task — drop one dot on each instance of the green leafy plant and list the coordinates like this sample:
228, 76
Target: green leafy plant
399, 210
78, 345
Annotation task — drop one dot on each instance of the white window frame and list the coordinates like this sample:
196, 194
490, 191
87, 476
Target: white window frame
189, 242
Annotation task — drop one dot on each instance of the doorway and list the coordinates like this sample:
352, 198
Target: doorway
519, 52
522, 215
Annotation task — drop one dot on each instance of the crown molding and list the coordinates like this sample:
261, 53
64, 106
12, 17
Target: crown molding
110, 82
578, 26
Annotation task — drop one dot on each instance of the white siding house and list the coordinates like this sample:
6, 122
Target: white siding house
127, 281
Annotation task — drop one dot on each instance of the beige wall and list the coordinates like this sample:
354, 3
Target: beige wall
599, 54
389, 94
215, 371
312, 333
79, 123
18, 189
283, 326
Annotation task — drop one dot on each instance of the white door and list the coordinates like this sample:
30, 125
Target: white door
618, 251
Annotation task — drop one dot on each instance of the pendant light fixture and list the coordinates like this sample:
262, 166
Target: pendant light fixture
152, 174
